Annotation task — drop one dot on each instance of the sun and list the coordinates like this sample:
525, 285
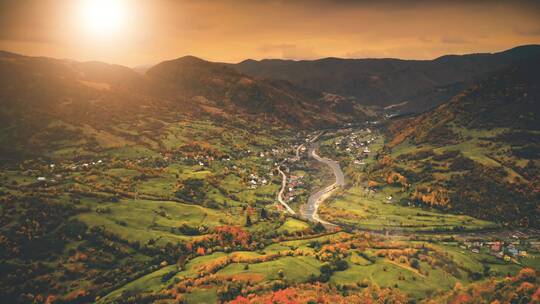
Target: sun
104, 18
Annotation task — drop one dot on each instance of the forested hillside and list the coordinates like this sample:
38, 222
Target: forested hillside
478, 154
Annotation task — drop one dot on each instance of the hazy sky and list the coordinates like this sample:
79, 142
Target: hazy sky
133, 32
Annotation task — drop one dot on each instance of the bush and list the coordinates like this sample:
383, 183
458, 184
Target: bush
193, 191
168, 276
341, 265
415, 263
75, 228
527, 274
318, 228
462, 163
229, 291
188, 230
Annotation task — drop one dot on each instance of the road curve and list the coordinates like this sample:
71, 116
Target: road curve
314, 200
298, 151
280, 194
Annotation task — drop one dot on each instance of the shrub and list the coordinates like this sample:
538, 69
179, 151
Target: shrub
415, 263
341, 265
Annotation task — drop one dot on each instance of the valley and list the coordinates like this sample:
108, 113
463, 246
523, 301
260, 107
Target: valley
194, 183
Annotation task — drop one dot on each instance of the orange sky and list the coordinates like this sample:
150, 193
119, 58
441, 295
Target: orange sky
231, 31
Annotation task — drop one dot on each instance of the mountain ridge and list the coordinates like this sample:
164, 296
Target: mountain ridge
386, 81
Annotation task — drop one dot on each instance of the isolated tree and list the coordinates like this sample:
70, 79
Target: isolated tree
264, 214
319, 227
341, 265
415, 264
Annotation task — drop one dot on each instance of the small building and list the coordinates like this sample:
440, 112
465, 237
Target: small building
513, 251
496, 247
41, 179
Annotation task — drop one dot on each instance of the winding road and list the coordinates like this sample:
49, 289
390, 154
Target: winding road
280, 194
298, 151
314, 200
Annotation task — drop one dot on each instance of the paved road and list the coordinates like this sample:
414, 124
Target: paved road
310, 210
280, 194
298, 151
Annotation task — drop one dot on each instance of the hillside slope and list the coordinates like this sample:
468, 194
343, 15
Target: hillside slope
423, 84
479, 153
45, 101
224, 88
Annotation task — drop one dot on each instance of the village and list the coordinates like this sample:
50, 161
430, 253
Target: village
510, 246
196, 193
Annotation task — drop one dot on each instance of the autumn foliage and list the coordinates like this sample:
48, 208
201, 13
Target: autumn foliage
522, 288
323, 294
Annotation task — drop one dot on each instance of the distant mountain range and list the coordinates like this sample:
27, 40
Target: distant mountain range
36, 91
417, 84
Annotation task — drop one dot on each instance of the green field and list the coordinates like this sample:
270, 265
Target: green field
374, 212
143, 220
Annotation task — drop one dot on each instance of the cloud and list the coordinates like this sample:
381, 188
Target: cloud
268, 48
289, 51
528, 31
455, 40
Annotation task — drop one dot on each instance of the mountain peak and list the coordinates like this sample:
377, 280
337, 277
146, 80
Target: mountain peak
248, 61
189, 59
8, 54
523, 51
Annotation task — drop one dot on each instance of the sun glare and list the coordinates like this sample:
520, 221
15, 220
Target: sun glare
104, 18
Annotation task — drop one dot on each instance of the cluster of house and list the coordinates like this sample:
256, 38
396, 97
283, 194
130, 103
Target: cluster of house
299, 150
201, 160
43, 179
62, 167
357, 144
293, 183
507, 251
83, 165
254, 181
267, 156
390, 115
